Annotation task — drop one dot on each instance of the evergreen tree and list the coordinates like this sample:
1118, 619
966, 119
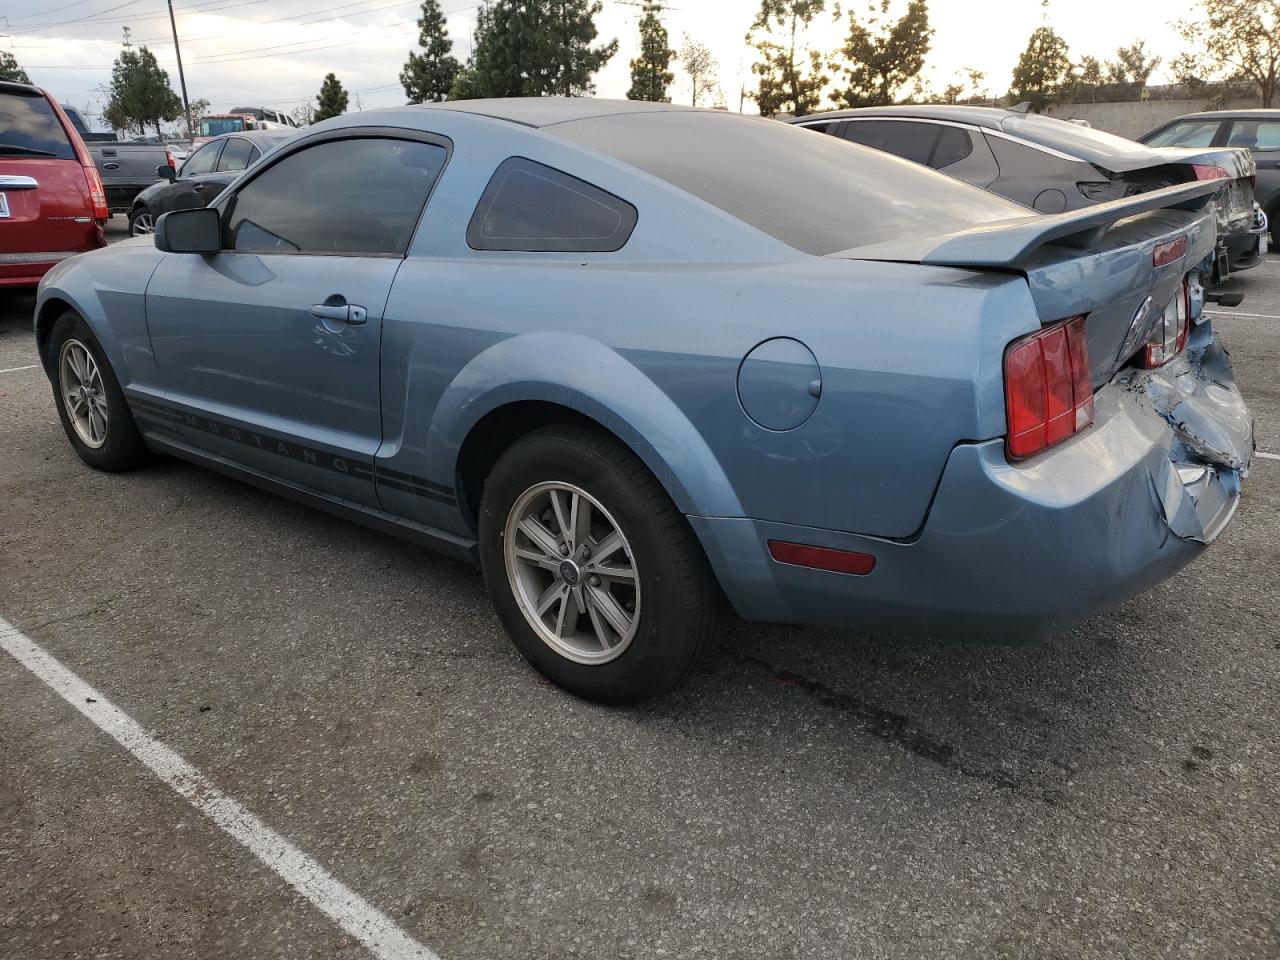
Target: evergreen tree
140, 93
331, 101
650, 73
534, 48
1043, 73
10, 70
786, 83
883, 55
428, 76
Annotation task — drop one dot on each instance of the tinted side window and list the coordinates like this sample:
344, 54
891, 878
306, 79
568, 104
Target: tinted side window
953, 146
235, 155
1255, 134
29, 124
345, 197
254, 154
913, 141
203, 160
529, 206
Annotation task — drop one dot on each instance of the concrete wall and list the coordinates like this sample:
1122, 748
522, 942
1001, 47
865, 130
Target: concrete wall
1137, 117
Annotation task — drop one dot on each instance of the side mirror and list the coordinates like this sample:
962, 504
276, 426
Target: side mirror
189, 231
166, 172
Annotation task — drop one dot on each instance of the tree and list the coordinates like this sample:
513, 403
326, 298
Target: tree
700, 65
1043, 72
883, 55
650, 72
10, 70
140, 93
534, 48
790, 73
1236, 39
1086, 80
304, 113
331, 101
198, 109
1131, 69
428, 76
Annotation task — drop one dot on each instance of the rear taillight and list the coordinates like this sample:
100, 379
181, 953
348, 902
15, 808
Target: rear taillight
1048, 388
1166, 253
97, 195
1206, 171
1170, 335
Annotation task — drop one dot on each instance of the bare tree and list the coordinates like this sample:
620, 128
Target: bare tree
697, 61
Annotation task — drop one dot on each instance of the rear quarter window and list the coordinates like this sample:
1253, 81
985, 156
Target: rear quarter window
530, 206
29, 127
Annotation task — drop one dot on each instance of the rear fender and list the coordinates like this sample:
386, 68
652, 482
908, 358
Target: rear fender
601, 384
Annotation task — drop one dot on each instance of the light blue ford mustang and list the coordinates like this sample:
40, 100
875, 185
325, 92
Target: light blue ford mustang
637, 361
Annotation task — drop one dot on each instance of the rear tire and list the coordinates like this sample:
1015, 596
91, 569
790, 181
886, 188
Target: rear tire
141, 222
90, 403
623, 624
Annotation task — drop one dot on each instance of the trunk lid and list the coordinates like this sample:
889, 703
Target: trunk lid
48, 204
1097, 261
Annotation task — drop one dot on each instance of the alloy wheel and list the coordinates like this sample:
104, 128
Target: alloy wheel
141, 225
572, 572
83, 393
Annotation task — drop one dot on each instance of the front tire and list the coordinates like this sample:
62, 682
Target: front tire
593, 572
141, 222
90, 403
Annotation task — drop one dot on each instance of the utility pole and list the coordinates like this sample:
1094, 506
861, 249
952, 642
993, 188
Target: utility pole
182, 78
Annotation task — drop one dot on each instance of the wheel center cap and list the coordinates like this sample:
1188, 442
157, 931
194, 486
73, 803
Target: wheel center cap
570, 573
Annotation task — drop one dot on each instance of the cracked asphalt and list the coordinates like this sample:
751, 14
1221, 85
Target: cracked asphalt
812, 794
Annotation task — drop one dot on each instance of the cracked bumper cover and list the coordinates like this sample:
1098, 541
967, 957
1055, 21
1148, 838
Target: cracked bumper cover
1021, 552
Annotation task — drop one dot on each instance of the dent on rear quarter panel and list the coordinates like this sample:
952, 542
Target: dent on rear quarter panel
107, 289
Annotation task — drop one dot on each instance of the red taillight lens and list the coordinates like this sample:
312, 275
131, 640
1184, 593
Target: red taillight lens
822, 558
1170, 336
1169, 252
1048, 387
1206, 171
97, 195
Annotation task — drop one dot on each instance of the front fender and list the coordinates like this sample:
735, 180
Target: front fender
597, 382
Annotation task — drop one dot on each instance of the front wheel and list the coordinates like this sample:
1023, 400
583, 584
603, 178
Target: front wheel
594, 574
141, 222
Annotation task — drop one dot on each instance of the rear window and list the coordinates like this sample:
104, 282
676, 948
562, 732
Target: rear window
29, 127
216, 126
818, 194
1197, 134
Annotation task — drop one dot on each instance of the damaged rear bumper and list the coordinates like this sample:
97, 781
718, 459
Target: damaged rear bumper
1021, 552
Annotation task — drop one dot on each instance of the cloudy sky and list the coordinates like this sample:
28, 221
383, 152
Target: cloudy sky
276, 52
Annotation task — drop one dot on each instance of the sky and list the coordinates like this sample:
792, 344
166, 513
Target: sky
276, 52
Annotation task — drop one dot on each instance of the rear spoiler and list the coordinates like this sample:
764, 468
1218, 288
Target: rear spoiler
1007, 243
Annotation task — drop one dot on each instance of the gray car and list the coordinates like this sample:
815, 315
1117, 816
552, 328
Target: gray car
1053, 165
1256, 130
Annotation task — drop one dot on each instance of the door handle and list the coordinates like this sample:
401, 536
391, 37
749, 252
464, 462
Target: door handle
348, 313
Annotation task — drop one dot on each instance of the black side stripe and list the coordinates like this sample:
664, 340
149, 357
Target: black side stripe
155, 412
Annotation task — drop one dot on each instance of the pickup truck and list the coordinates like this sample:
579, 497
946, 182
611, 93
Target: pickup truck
126, 168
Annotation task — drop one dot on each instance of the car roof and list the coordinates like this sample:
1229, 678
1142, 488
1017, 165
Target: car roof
1252, 114
256, 136
22, 89
547, 111
978, 116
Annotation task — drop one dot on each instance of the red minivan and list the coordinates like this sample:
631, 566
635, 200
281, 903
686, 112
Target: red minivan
52, 204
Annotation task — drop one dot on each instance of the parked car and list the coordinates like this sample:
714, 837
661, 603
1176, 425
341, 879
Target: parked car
1053, 165
179, 148
126, 167
1255, 130
268, 119
52, 205
629, 379
202, 177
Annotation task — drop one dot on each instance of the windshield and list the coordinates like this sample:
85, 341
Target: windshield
29, 127
214, 126
815, 192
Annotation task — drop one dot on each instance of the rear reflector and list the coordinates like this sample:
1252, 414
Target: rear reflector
1048, 387
822, 558
1206, 171
1169, 252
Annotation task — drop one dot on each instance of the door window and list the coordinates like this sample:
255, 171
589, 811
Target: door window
236, 155
342, 197
202, 161
1255, 134
913, 141
1197, 133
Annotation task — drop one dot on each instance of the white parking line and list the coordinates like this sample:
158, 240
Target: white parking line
16, 369
1240, 313
378, 932
1268, 456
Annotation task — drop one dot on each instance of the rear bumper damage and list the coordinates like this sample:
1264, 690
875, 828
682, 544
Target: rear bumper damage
1020, 552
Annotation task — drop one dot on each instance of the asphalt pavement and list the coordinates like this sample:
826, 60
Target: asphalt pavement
813, 793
